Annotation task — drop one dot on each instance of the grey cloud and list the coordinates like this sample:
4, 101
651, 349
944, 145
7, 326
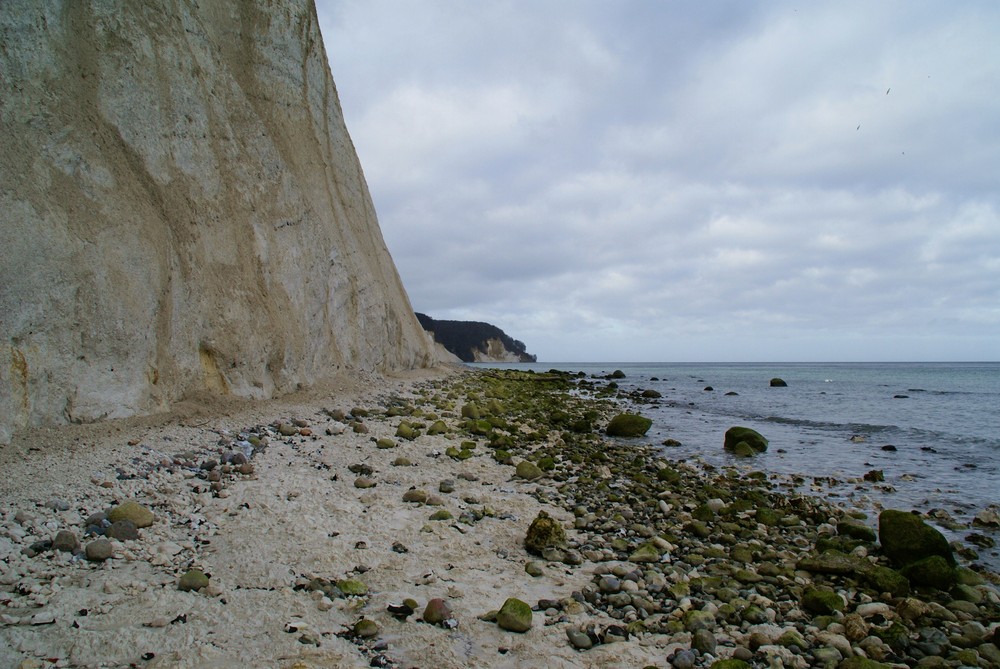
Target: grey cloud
635, 177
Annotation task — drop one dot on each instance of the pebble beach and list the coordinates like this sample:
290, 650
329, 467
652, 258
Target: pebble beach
452, 518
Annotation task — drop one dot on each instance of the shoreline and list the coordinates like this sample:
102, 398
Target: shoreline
319, 508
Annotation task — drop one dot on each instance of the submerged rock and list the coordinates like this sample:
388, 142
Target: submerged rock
737, 435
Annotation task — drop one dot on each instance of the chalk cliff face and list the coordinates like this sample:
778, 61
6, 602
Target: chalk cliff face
182, 209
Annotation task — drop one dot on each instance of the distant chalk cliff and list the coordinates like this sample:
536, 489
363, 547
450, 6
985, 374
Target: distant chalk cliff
182, 209
473, 341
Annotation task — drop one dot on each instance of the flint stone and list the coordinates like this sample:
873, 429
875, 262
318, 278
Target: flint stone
65, 541
436, 611
98, 550
123, 530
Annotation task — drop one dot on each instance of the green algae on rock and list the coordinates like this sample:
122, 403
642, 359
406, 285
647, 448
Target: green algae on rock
736, 435
628, 425
514, 616
132, 511
906, 538
544, 532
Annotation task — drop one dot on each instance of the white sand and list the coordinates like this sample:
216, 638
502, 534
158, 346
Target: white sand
286, 522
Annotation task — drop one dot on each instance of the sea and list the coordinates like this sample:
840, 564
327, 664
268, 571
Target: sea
932, 429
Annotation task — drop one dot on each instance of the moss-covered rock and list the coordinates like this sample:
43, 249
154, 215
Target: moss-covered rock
855, 529
731, 663
407, 431
821, 602
544, 532
352, 587
906, 539
437, 427
628, 425
737, 434
366, 629
514, 616
527, 470
193, 579
647, 552
132, 511
933, 571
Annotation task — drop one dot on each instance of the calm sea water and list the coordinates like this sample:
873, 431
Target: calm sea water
941, 420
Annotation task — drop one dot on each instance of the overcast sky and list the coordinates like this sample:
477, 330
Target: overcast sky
687, 181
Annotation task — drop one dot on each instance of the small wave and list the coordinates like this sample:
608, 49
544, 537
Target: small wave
865, 428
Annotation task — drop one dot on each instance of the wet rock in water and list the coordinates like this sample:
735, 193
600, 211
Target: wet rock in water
98, 550
133, 511
122, 530
988, 517
628, 425
651, 394
66, 541
778, 383
543, 533
906, 538
527, 470
514, 616
193, 579
874, 476
437, 611
736, 435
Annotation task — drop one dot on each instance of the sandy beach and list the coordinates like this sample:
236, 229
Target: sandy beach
318, 513
298, 516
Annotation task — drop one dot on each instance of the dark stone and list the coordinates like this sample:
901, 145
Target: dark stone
778, 383
933, 571
754, 439
123, 530
628, 425
906, 539
65, 541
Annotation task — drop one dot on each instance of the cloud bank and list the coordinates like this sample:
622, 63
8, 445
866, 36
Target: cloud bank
670, 181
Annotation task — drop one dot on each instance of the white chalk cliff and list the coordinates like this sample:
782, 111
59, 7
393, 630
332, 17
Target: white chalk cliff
181, 209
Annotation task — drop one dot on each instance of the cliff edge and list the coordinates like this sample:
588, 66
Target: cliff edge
474, 341
182, 210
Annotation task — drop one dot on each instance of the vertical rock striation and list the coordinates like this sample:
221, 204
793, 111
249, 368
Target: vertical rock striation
181, 209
